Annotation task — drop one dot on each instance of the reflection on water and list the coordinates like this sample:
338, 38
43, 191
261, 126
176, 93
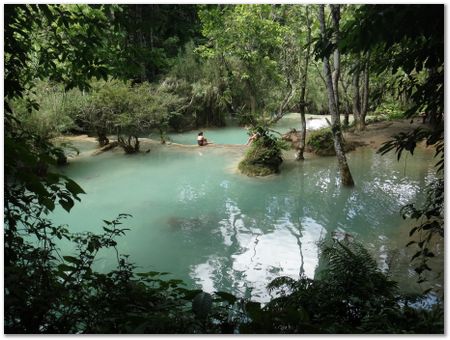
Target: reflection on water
218, 230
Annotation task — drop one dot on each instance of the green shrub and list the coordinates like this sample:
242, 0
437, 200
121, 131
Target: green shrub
349, 294
52, 118
390, 111
321, 142
376, 119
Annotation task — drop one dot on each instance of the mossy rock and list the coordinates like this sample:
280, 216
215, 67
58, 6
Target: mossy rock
260, 161
254, 170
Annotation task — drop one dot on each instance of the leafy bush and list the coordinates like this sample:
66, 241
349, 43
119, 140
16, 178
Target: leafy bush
128, 111
390, 111
51, 119
321, 142
349, 295
206, 88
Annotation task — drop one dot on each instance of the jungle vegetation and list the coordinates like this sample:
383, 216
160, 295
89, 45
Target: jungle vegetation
122, 70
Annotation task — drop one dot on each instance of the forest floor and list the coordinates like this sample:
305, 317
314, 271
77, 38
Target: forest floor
378, 133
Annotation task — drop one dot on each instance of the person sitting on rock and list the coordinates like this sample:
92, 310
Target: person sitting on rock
254, 136
201, 140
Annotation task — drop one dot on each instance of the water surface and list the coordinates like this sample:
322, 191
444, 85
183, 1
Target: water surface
197, 218
233, 134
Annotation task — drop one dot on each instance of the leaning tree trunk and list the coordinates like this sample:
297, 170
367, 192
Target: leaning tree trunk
301, 148
346, 176
288, 75
285, 102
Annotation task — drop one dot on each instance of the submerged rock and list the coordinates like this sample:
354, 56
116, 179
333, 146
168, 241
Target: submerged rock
185, 223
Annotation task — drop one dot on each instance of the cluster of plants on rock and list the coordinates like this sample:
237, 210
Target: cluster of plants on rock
320, 142
264, 155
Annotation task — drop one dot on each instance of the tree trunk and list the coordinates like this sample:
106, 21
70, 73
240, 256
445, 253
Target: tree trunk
101, 137
346, 176
140, 38
356, 99
253, 102
365, 95
335, 15
348, 104
361, 96
128, 145
301, 149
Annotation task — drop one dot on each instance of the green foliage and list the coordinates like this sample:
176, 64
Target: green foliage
207, 89
390, 111
150, 37
321, 142
317, 98
188, 65
430, 224
53, 41
424, 83
246, 40
404, 141
127, 110
350, 295
205, 103
57, 113
45, 42
386, 30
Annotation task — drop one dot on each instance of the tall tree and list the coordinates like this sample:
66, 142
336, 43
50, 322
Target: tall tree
248, 39
332, 88
409, 42
361, 91
303, 83
336, 17
151, 37
73, 36
409, 38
